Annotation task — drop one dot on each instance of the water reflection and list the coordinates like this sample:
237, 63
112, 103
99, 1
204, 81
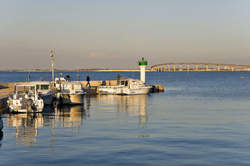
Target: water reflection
134, 105
27, 125
70, 116
1, 132
87, 101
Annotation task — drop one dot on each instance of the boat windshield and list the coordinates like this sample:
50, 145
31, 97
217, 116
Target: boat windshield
125, 82
22, 90
42, 87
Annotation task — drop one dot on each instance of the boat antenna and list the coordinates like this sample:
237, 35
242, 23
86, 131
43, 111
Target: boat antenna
52, 63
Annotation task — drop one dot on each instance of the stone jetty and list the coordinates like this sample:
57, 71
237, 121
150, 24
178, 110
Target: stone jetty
7, 88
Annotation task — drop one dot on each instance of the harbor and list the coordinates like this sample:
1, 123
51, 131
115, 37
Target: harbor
93, 90
32, 96
124, 83
194, 112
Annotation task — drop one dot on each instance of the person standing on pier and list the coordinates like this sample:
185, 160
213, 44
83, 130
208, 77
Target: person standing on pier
118, 79
88, 81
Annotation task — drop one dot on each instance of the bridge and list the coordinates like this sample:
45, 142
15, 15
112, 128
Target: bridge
172, 67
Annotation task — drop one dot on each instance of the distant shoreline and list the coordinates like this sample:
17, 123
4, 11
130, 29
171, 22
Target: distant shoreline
114, 70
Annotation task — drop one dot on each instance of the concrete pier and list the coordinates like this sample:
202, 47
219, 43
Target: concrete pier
8, 88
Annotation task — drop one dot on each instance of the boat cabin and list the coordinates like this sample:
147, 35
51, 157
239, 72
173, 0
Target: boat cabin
63, 84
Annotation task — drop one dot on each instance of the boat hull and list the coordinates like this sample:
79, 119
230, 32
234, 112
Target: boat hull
19, 110
141, 91
17, 106
113, 90
109, 90
1, 124
47, 99
71, 98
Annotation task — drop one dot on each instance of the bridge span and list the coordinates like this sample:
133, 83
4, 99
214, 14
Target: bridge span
172, 67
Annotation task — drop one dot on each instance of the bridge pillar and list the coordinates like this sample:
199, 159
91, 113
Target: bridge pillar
188, 66
174, 67
206, 67
218, 67
169, 68
196, 67
180, 68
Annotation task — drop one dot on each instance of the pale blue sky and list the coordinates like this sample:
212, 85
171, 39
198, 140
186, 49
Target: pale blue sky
115, 33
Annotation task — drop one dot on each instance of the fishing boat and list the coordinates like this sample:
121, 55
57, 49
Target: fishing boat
44, 91
69, 92
126, 86
25, 98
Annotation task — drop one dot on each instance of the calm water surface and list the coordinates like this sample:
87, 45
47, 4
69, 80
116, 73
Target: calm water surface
203, 118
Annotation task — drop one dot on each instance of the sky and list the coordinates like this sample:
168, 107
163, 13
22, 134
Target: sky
116, 33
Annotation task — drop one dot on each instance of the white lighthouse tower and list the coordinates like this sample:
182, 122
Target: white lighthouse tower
143, 64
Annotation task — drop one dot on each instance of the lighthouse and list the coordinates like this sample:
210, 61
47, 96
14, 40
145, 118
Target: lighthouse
143, 64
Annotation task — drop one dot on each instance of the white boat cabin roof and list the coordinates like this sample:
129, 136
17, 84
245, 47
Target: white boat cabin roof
34, 83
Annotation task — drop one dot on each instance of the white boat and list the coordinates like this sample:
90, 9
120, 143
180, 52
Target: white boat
25, 98
69, 92
127, 86
44, 91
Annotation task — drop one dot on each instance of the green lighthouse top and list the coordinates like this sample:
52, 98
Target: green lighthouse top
143, 62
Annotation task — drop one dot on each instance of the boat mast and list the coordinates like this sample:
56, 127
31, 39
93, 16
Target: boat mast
52, 62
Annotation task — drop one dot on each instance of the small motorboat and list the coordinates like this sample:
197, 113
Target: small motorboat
126, 86
69, 92
25, 98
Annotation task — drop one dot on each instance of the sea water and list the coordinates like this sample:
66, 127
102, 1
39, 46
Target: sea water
202, 118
